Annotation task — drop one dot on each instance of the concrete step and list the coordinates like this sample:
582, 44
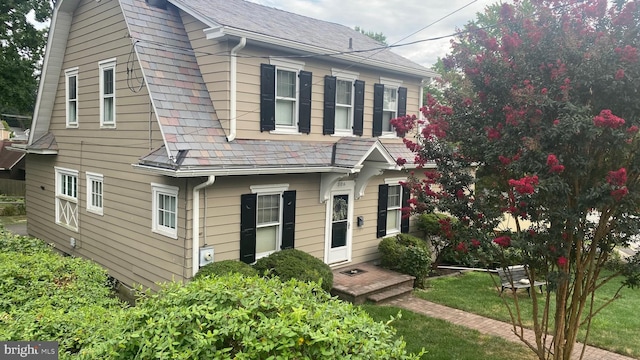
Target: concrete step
391, 293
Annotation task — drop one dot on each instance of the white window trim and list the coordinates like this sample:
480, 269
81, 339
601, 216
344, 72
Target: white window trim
104, 65
293, 66
390, 84
273, 189
161, 189
67, 74
59, 196
90, 177
395, 182
345, 76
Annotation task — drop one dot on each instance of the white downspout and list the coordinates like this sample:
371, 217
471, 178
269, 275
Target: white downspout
195, 229
233, 85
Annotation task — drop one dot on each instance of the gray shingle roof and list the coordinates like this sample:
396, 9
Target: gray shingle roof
260, 19
256, 154
46, 142
193, 135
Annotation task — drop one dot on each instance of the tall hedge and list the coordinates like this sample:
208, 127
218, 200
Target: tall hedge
49, 297
248, 318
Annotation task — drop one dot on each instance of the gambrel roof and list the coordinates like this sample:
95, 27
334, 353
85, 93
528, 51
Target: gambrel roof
194, 140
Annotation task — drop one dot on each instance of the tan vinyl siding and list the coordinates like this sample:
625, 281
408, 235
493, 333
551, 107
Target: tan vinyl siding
249, 94
121, 239
222, 225
213, 60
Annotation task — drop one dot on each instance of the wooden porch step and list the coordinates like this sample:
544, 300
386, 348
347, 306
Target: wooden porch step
391, 293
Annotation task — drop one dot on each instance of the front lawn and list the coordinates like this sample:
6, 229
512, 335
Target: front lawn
614, 329
447, 341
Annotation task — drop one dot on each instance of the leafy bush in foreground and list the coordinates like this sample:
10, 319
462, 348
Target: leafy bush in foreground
225, 267
46, 296
296, 264
247, 318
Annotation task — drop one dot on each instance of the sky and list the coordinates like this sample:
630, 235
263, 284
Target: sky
395, 19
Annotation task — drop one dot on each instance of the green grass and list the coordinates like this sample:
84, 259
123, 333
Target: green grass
10, 220
615, 328
447, 341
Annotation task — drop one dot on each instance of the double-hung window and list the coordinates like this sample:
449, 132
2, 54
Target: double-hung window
343, 103
389, 102
94, 193
67, 198
394, 209
392, 197
107, 93
285, 97
71, 86
389, 108
165, 210
267, 221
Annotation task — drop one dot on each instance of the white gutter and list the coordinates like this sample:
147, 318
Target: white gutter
195, 226
233, 85
219, 31
245, 171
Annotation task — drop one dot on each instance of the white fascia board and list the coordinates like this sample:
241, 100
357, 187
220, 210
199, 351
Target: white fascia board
32, 151
391, 162
51, 67
246, 171
220, 31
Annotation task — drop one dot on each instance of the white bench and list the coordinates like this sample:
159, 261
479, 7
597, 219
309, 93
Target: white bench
516, 277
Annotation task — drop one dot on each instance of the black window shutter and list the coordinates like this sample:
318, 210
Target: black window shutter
248, 228
358, 107
402, 101
304, 109
378, 99
267, 97
288, 219
329, 120
404, 223
383, 191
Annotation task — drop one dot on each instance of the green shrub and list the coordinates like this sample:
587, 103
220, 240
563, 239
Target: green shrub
225, 267
296, 264
237, 317
406, 254
10, 243
9, 210
46, 296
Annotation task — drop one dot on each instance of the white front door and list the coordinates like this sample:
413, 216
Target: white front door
339, 218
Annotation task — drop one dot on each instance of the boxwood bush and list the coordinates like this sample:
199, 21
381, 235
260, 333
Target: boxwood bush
407, 254
225, 267
295, 264
237, 317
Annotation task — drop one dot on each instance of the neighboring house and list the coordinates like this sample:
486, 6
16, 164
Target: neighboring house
12, 163
170, 134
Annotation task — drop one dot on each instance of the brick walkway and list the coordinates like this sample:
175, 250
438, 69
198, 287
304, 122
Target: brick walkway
490, 326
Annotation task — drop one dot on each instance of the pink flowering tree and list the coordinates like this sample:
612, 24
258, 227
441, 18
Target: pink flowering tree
540, 122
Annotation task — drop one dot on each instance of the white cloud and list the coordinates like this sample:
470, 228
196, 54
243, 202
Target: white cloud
395, 19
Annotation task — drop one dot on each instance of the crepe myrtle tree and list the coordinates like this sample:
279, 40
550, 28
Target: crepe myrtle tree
540, 122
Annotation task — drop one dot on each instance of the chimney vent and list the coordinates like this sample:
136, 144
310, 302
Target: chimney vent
350, 43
